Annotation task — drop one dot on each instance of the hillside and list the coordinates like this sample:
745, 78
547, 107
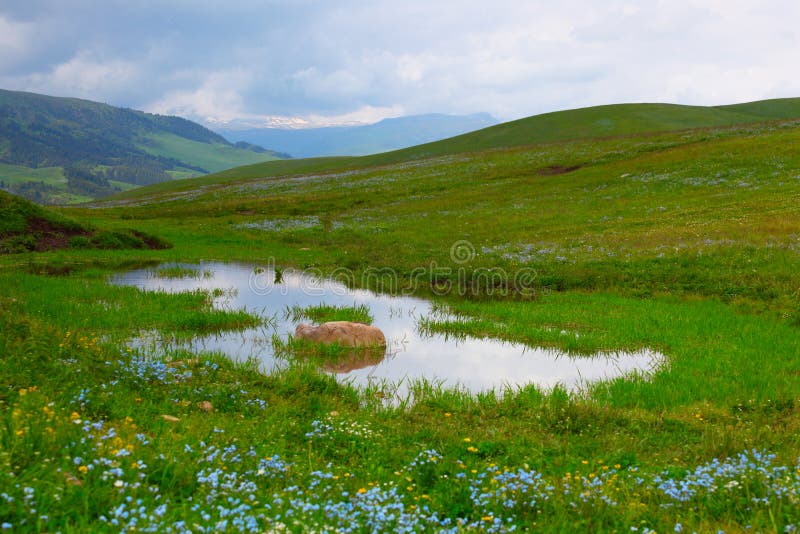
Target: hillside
26, 227
92, 149
383, 136
680, 244
586, 123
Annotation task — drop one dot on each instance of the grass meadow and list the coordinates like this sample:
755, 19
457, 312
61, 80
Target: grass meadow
684, 242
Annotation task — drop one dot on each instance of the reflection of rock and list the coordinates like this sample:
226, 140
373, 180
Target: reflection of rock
345, 333
358, 358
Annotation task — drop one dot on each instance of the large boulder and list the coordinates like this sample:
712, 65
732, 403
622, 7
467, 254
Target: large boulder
345, 333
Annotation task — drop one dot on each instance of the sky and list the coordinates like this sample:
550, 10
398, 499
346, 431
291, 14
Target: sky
307, 63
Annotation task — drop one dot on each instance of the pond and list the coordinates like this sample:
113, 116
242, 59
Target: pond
469, 363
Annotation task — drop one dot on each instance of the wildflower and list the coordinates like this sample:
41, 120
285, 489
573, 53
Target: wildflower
447, 414
472, 449
83, 469
362, 490
467, 440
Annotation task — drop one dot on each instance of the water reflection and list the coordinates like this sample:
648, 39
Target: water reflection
471, 363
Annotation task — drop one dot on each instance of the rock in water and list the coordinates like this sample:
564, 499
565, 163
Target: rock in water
345, 333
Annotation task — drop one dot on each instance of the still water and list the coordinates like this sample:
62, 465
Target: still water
469, 363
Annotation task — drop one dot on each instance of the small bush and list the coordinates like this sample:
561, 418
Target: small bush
116, 240
80, 242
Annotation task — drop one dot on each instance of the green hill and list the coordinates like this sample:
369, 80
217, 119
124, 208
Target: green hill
93, 149
586, 123
26, 227
681, 247
611, 120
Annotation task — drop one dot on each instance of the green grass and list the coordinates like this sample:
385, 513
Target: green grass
178, 271
25, 227
212, 157
182, 175
16, 174
323, 313
123, 186
683, 242
585, 123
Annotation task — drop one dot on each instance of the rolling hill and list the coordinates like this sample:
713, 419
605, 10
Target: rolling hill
60, 149
383, 136
585, 123
680, 246
26, 227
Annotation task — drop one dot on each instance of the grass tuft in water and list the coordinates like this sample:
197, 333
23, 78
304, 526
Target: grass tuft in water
177, 271
323, 313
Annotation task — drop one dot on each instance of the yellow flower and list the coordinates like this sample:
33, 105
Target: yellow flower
472, 449
487, 518
584, 462
362, 490
74, 415
20, 432
447, 414
467, 440
83, 469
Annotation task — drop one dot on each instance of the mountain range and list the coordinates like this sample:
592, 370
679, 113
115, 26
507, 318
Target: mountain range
56, 149
383, 136
60, 150
615, 120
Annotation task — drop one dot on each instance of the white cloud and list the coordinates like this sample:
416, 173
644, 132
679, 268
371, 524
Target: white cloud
354, 61
362, 115
15, 40
215, 96
83, 76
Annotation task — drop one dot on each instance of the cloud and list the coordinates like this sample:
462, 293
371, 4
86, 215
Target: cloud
319, 62
15, 40
86, 76
214, 96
